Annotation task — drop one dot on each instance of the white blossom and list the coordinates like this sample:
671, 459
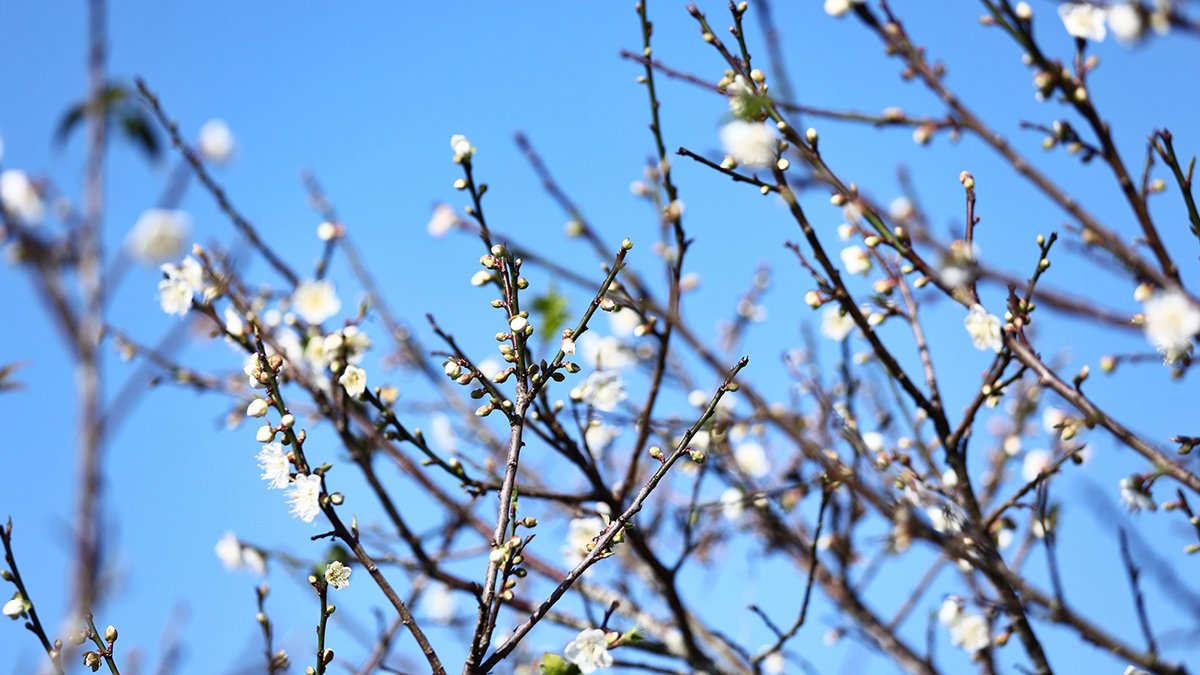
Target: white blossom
840, 7
580, 533
624, 321
599, 436
835, 325
234, 324
1171, 321
216, 142
481, 277
304, 496
346, 345
603, 390
733, 504
461, 146
971, 633
337, 575
443, 220
158, 235
774, 664
229, 551
751, 459
1083, 20
14, 608
984, 329
856, 260
1036, 461
1132, 670
174, 296
605, 353
1125, 20
951, 610
328, 231
873, 440
315, 301
945, 518
1134, 496
589, 651
752, 144
276, 468
354, 380
20, 197
440, 603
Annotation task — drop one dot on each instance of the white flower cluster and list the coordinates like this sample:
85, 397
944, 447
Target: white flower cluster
1127, 19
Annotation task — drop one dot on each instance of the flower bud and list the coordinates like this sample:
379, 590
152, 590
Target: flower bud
265, 434
257, 408
110, 634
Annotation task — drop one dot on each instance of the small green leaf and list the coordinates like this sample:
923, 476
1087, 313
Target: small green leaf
553, 664
551, 310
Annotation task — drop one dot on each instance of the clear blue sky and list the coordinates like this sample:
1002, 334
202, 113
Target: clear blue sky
368, 95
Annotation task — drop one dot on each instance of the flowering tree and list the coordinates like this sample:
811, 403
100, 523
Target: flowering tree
589, 478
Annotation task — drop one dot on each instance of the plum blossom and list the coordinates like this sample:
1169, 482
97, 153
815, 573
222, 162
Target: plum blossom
461, 145
354, 380
158, 235
1083, 20
603, 390
589, 651
751, 459
315, 301
235, 556
835, 325
20, 198
751, 144
337, 575
1125, 21
179, 284
440, 603
216, 142
1135, 496
840, 7
1171, 322
971, 633
304, 496
276, 468
444, 219
580, 533
984, 329
856, 260
1036, 461
14, 608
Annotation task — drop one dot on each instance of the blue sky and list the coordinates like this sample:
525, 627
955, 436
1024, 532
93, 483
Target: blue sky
368, 94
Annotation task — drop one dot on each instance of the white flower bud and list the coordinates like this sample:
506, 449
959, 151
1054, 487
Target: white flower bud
257, 408
265, 434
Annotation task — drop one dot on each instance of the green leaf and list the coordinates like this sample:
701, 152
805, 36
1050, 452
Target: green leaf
551, 310
553, 664
120, 109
